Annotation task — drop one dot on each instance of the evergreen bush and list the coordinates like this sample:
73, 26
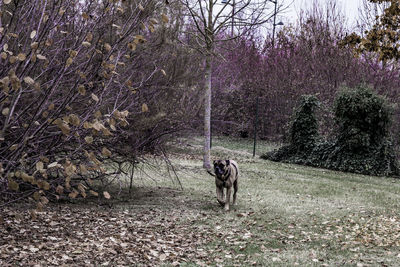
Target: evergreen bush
303, 132
362, 142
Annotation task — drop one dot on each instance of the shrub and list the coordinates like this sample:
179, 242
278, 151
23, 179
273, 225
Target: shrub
304, 127
363, 119
303, 133
362, 143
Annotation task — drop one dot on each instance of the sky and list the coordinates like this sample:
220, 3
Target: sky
350, 8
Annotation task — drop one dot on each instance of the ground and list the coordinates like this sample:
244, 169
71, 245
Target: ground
286, 215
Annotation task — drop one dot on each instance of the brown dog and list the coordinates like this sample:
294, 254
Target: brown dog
226, 176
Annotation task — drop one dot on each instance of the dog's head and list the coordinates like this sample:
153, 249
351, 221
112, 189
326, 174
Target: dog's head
221, 166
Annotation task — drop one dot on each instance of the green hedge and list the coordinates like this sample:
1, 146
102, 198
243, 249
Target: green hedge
362, 142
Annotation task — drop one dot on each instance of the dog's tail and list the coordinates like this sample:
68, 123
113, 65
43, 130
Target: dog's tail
209, 172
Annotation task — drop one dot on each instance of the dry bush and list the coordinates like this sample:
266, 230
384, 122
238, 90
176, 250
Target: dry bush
80, 87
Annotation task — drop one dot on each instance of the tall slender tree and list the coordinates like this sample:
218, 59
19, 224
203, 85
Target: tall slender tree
213, 22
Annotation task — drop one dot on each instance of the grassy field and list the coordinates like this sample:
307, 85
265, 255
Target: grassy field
286, 215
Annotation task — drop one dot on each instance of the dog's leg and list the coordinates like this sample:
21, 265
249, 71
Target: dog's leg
220, 195
228, 196
235, 189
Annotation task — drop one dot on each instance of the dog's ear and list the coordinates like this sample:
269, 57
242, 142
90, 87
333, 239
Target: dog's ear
227, 162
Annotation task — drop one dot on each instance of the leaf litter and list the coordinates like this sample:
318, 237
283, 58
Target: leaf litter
67, 236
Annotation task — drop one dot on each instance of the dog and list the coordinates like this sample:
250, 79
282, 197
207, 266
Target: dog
226, 176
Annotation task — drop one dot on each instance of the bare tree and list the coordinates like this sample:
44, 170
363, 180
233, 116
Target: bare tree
210, 23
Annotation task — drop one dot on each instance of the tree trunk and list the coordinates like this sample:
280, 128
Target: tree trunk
209, 40
207, 113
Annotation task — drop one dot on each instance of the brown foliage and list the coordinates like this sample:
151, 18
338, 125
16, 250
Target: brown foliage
77, 80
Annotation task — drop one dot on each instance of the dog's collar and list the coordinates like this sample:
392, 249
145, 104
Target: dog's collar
223, 178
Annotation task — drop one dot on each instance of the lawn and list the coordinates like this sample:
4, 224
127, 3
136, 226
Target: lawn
286, 215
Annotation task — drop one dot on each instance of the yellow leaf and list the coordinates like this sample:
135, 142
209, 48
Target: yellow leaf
83, 169
86, 44
54, 164
132, 46
5, 111
69, 62
70, 169
39, 166
13, 185
89, 37
64, 128
139, 38
62, 11
106, 195
116, 26
94, 97
106, 152
41, 57
33, 34
34, 45
33, 214
163, 72
85, 16
74, 120
29, 80
145, 108
165, 18
39, 207
21, 56
73, 53
36, 196
73, 194
97, 114
13, 147
141, 7
44, 200
49, 42
153, 21
98, 126
81, 89
12, 59
67, 181
60, 189
43, 184
87, 125
89, 139
94, 193
27, 178
108, 47
106, 132
81, 188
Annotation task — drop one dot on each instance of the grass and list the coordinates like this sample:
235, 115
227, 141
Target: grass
288, 214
